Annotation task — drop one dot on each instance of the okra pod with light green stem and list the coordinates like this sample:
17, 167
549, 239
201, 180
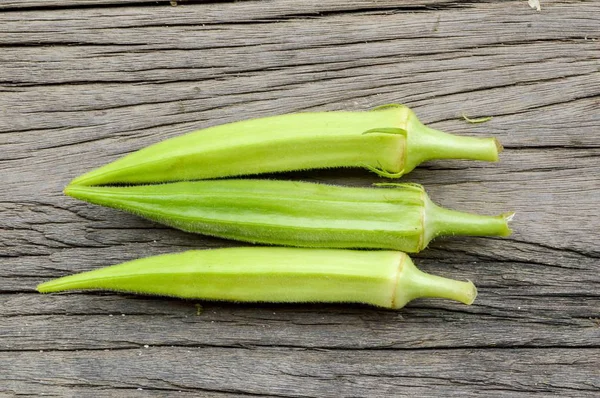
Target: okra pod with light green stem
274, 274
389, 140
399, 217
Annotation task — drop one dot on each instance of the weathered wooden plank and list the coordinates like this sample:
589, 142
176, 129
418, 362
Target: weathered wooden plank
141, 26
501, 318
162, 28
521, 114
309, 373
307, 7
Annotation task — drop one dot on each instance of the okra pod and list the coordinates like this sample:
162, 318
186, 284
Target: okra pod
280, 275
389, 140
399, 217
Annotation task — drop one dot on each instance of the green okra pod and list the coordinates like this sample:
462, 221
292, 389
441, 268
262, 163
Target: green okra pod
281, 275
389, 140
291, 213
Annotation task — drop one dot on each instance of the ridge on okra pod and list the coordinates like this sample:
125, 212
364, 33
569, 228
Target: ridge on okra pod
389, 140
385, 279
291, 213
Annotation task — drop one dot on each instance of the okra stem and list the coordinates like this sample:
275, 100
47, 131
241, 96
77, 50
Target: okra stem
434, 144
414, 283
441, 221
259, 274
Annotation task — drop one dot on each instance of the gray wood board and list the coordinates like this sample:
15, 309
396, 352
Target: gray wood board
84, 82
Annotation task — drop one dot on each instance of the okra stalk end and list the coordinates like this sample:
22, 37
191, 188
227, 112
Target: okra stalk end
440, 221
425, 143
414, 283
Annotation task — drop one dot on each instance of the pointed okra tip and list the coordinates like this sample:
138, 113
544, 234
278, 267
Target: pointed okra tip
73, 190
69, 282
68, 190
109, 173
102, 175
80, 281
48, 287
84, 193
43, 288
83, 180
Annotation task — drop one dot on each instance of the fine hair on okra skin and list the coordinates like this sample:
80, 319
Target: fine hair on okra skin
389, 140
291, 213
387, 279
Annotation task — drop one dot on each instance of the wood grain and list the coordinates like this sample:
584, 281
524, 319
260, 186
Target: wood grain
329, 373
83, 82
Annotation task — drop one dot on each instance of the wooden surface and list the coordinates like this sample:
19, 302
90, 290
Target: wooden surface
83, 82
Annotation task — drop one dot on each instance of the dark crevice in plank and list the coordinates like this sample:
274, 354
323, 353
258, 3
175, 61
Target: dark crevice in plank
458, 50
66, 145
126, 47
56, 44
413, 7
549, 147
139, 387
482, 311
257, 347
2, 291
113, 4
524, 83
589, 254
143, 48
89, 387
530, 108
576, 295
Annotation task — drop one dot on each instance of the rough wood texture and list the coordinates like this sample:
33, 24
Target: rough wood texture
85, 81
